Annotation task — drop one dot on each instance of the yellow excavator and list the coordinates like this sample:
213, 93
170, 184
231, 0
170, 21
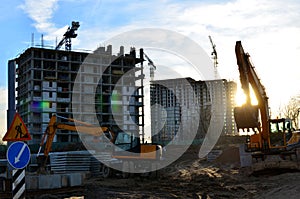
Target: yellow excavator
127, 147
272, 144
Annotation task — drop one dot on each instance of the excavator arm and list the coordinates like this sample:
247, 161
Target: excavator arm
83, 127
247, 116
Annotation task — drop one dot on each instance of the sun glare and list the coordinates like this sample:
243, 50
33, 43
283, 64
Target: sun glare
240, 97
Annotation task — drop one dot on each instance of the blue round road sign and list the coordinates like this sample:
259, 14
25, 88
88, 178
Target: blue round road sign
18, 155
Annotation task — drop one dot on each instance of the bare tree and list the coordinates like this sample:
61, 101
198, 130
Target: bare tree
292, 110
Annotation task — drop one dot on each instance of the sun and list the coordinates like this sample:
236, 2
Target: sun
240, 97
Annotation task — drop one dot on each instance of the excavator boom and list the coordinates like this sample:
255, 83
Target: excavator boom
247, 116
83, 127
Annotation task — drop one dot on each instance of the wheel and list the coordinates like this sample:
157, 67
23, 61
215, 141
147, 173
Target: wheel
106, 171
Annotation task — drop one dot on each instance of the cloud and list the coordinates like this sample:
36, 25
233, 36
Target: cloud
57, 33
268, 29
41, 12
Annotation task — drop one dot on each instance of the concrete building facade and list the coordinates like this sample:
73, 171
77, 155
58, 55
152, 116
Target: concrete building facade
230, 125
44, 86
171, 98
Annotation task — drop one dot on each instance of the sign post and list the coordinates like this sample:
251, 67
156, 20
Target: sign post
18, 154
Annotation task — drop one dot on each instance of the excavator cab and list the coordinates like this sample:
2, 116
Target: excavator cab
280, 132
125, 141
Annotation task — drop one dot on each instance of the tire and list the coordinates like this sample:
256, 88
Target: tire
106, 171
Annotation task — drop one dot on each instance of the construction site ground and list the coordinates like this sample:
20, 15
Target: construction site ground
191, 177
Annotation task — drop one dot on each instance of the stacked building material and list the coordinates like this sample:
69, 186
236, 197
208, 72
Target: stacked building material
72, 161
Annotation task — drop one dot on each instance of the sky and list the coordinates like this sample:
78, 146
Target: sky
269, 31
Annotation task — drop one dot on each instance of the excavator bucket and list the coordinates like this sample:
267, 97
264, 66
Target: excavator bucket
294, 141
246, 117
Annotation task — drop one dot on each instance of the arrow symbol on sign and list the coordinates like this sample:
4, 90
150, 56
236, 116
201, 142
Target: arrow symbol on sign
17, 159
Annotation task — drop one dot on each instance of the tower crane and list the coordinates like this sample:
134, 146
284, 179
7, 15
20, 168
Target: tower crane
152, 66
215, 57
70, 33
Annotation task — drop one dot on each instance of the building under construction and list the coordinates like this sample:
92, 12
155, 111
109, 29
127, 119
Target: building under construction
179, 99
45, 80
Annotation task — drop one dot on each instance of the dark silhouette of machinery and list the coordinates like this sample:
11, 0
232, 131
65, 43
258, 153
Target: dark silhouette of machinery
68, 36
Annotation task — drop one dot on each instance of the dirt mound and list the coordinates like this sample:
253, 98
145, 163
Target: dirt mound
225, 141
229, 156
